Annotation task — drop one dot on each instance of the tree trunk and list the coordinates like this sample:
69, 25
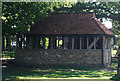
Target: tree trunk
20, 41
3, 43
8, 43
17, 41
0, 36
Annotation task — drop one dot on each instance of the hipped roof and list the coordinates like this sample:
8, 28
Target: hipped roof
79, 23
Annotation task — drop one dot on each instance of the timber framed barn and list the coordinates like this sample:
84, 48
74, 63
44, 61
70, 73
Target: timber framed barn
75, 39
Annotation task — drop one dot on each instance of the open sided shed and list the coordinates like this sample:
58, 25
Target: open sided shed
78, 39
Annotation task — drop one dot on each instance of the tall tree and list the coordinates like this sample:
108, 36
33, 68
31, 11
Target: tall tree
18, 17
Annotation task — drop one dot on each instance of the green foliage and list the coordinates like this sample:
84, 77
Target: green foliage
107, 10
6, 54
19, 16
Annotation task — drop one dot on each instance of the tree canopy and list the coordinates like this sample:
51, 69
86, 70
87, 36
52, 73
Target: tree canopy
19, 16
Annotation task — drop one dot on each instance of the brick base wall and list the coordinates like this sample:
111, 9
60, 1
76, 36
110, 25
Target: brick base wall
81, 58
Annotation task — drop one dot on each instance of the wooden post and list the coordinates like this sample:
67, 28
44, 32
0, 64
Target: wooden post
65, 43
87, 42
54, 42
49, 46
8, 42
94, 42
1, 40
80, 43
3, 43
40, 45
51, 43
20, 41
106, 43
103, 42
62, 42
27, 41
72, 42
110, 49
17, 41
58, 39
37, 42
30, 43
44, 42
1, 37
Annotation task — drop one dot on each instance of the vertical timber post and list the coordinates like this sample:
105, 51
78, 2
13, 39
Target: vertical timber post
37, 42
44, 42
94, 42
70, 43
80, 42
87, 42
51, 42
49, 46
65, 42
0, 39
73, 42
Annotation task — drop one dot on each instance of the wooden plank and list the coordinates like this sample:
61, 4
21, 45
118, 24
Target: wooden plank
80, 43
44, 42
65, 42
49, 46
106, 43
87, 42
72, 42
103, 42
1, 36
58, 42
94, 43
54, 42
51, 42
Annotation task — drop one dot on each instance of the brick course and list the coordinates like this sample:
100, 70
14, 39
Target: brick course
81, 58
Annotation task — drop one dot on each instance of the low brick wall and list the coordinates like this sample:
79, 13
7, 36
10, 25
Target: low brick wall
83, 58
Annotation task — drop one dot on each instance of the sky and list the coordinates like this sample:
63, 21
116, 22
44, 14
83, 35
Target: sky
107, 23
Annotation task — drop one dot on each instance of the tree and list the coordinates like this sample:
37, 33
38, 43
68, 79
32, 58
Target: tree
107, 10
18, 17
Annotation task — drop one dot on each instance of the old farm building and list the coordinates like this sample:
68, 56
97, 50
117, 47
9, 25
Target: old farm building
67, 39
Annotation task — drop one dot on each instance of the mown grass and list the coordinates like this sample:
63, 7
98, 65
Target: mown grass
12, 70
17, 71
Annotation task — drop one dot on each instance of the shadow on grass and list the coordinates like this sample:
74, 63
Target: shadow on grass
15, 71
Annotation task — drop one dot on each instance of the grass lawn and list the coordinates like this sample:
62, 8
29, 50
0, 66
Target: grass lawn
20, 72
14, 71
